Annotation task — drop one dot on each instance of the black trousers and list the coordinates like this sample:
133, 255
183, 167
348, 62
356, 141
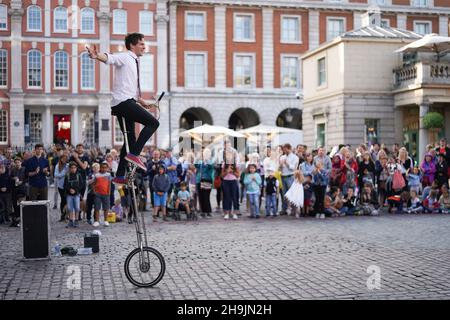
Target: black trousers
62, 195
319, 192
204, 197
133, 112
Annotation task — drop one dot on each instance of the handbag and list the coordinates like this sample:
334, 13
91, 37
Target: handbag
217, 182
397, 181
205, 185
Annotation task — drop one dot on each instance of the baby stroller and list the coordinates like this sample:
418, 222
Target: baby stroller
174, 213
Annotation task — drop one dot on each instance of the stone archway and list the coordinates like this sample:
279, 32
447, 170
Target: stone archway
191, 115
290, 118
243, 118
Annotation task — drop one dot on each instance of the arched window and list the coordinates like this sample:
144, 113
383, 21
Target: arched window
61, 70
87, 20
87, 72
60, 23
34, 69
119, 21
34, 20
146, 22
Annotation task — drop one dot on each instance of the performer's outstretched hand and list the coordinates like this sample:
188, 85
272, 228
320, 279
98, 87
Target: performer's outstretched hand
93, 54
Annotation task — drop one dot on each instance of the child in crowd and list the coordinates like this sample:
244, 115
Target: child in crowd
183, 201
404, 202
90, 200
414, 180
444, 200
102, 189
272, 188
337, 171
191, 180
431, 203
349, 201
320, 182
118, 210
369, 201
160, 187
307, 195
252, 182
295, 194
414, 204
73, 184
334, 206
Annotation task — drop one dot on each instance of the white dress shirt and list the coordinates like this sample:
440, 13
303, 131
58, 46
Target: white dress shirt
288, 168
125, 83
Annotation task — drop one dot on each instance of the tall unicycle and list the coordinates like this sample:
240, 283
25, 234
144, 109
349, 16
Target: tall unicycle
144, 266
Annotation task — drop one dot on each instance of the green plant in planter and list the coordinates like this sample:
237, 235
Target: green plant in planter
433, 120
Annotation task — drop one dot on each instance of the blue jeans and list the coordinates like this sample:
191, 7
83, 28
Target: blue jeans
254, 203
287, 183
271, 204
73, 203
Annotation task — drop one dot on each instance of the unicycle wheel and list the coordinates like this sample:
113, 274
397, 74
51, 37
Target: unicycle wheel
144, 269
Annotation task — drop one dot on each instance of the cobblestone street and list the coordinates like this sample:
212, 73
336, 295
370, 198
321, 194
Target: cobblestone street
282, 258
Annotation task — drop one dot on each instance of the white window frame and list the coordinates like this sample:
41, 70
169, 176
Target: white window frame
299, 19
28, 69
87, 9
416, 4
5, 17
81, 72
429, 23
6, 127
28, 18
296, 56
252, 31
54, 71
54, 20
335, 18
204, 36
7, 71
150, 13
246, 54
388, 22
324, 84
117, 131
205, 69
144, 87
115, 31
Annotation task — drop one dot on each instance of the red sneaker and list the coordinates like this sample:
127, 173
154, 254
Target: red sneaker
136, 161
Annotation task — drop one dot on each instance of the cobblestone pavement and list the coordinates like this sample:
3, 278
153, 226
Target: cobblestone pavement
282, 258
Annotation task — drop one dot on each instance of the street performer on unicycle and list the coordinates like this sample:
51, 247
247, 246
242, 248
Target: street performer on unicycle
144, 266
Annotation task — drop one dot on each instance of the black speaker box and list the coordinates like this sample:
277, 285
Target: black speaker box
35, 227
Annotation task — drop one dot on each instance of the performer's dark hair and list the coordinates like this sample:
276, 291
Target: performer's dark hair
133, 39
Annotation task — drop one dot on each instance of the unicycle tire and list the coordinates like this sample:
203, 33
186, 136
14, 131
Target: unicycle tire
138, 280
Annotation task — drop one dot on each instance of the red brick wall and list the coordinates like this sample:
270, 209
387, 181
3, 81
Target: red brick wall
401, 2
434, 20
442, 3
249, 47
194, 45
392, 20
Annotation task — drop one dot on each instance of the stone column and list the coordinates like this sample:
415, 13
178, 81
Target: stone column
16, 97
47, 123
313, 18
220, 46
162, 20
268, 69
423, 132
76, 134
104, 97
173, 45
75, 68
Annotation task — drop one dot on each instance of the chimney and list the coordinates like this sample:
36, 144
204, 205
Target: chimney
371, 18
